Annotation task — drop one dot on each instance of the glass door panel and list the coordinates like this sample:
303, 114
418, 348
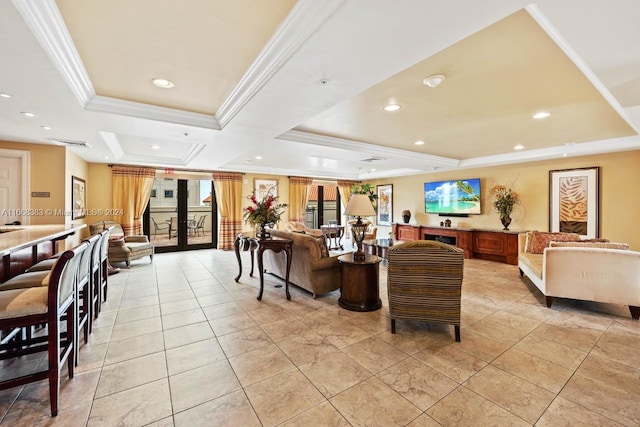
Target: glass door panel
200, 195
163, 207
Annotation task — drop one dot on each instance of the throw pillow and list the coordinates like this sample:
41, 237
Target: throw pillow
583, 244
540, 240
322, 245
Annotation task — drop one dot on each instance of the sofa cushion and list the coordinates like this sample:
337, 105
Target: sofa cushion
533, 261
322, 245
540, 240
582, 244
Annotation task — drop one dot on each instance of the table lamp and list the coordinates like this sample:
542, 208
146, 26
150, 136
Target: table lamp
359, 206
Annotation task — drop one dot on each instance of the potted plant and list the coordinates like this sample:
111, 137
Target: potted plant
263, 212
504, 199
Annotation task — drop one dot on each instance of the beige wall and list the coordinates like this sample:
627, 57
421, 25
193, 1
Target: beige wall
78, 167
47, 173
99, 194
619, 206
283, 193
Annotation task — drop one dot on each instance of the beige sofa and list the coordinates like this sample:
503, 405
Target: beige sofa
592, 271
311, 266
128, 248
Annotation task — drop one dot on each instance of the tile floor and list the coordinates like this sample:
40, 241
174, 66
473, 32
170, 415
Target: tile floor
179, 343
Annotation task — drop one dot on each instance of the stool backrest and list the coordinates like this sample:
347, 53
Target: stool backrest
63, 276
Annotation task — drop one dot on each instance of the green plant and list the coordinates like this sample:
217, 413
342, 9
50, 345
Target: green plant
367, 189
265, 211
504, 199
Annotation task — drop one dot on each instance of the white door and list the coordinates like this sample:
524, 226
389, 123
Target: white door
10, 190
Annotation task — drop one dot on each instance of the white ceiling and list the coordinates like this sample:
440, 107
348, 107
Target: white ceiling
578, 59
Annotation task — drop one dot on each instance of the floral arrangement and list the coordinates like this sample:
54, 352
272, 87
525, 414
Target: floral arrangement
504, 199
265, 211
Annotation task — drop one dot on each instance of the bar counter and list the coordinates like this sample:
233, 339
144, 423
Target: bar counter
23, 245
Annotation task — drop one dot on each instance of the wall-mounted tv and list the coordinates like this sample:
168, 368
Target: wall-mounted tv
456, 197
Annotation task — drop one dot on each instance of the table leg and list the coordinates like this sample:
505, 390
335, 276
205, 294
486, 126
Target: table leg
260, 251
251, 251
286, 280
236, 248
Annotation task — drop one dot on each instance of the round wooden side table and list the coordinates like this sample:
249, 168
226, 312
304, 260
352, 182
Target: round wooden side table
360, 283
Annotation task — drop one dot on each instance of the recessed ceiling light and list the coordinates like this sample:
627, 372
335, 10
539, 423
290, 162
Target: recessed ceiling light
419, 143
569, 144
4, 95
27, 114
163, 83
541, 115
391, 107
434, 80
564, 154
373, 169
518, 147
258, 157
155, 146
46, 127
106, 157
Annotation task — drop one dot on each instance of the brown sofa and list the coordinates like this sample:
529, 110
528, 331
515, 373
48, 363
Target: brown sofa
311, 266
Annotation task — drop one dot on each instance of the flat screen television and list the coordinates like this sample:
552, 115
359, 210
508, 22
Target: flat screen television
455, 197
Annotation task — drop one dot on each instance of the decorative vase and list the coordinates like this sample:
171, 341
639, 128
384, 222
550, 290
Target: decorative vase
406, 216
263, 233
506, 220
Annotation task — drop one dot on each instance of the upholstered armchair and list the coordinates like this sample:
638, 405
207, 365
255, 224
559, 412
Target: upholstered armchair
124, 248
424, 283
299, 227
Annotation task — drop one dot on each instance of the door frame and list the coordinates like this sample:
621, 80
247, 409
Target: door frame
25, 174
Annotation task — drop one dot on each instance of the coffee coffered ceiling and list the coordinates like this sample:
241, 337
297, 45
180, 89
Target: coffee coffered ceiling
298, 88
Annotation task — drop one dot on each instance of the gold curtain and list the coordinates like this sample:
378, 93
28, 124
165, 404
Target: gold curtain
345, 191
228, 186
131, 192
298, 197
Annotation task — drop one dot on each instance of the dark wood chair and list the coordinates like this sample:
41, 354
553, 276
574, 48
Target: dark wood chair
424, 283
23, 308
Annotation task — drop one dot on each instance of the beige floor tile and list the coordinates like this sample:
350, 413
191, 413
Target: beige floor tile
564, 413
582, 339
133, 407
418, 383
463, 407
306, 347
232, 409
243, 341
233, 323
176, 296
177, 306
538, 371
409, 341
38, 413
498, 331
182, 318
136, 328
101, 335
282, 397
622, 347
131, 348
91, 356
199, 385
208, 290
323, 414
193, 355
374, 354
374, 403
520, 397
214, 299
424, 420
131, 315
340, 333
165, 422
257, 365
450, 361
514, 321
552, 351
222, 310
187, 334
139, 302
322, 373
483, 348
281, 330
132, 373
373, 322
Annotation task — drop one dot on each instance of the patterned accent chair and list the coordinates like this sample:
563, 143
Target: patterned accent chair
125, 249
424, 283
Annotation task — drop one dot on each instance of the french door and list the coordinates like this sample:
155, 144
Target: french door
182, 214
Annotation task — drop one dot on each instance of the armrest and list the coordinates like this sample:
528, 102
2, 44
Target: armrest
137, 239
325, 263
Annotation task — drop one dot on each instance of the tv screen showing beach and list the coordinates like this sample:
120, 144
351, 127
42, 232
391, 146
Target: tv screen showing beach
452, 197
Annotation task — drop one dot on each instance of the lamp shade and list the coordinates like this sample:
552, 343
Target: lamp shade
360, 205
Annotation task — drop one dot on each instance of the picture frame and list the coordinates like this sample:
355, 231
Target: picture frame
78, 198
574, 201
262, 187
384, 214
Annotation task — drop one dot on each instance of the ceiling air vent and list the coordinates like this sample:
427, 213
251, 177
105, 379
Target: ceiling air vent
70, 142
371, 159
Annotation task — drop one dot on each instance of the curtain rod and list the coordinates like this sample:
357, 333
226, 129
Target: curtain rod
174, 169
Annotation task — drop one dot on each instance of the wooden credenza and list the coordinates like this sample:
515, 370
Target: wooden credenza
493, 245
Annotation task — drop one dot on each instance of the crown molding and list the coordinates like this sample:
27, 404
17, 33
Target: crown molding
564, 45
46, 24
303, 20
111, 141
105, 104
370, 149
266, 170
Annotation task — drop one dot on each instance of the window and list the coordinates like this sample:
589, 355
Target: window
153, 193
168, 194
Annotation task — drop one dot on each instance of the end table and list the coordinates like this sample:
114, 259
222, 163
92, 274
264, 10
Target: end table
360, 283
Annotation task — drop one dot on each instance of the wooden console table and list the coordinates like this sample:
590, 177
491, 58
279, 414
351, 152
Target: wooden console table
276, 244
359, 290
493, 245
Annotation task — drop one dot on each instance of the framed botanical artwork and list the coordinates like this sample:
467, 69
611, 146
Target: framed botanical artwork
263, 186
385, 204
574, 201
78, 198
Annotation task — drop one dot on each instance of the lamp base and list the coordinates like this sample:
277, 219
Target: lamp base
359, 256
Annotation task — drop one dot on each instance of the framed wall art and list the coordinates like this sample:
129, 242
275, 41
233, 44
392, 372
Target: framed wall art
385, 204
574, 201
78, 198
263, 186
